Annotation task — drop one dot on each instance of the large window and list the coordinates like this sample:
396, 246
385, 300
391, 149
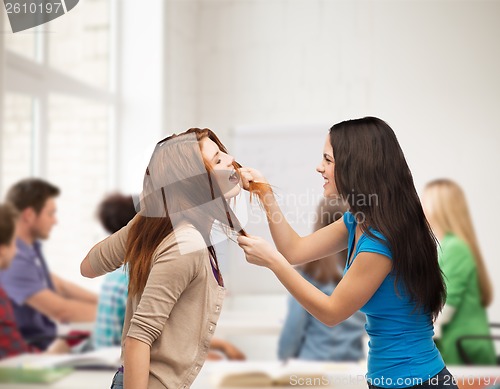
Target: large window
77, 160
17, 138
24, 43
80, 46
57, 120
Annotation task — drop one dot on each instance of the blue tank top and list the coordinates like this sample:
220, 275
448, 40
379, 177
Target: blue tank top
401, 349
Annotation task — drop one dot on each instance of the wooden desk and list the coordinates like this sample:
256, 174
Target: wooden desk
341, 376
348, 376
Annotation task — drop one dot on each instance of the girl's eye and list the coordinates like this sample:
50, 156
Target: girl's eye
219, 161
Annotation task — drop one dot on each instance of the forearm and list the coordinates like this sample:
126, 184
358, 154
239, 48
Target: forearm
58, 346
217, 344
76, 292
136, 364
284, 236
77, 311
311, 298
228, 349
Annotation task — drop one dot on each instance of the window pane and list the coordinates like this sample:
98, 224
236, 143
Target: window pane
22, 42
77, 162
79, 42
17, 139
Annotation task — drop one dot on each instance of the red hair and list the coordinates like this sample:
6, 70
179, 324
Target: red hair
147, 232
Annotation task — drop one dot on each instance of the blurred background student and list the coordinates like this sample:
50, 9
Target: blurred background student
469, 289
114, 212
39, 297
305, 337
11, 340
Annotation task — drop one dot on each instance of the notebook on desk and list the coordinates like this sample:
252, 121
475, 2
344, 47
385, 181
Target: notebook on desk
13, 370
27, 375
292, 374
46, 368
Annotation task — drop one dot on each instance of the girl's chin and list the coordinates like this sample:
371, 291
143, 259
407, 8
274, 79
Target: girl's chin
235, 191
327, 193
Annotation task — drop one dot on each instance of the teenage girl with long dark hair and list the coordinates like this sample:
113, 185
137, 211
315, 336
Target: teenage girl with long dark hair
391, 274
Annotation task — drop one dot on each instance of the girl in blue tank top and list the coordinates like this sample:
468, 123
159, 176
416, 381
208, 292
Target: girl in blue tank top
391, 274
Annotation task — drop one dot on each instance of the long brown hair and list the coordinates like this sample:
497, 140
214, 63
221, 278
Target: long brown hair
371, 173
8, 218
327, 269
449, 210
177, 183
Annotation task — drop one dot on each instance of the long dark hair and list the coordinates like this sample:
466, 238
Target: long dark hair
371, 173
171, 196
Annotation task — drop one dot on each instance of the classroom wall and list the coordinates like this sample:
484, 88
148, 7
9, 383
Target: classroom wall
141, 39
429, 68
158, 81
181, 65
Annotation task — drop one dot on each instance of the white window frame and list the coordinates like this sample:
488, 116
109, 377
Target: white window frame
35, 78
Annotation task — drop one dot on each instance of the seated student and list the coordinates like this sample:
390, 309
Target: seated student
40, 298
305, 337
468, 285
114, 212
11, 340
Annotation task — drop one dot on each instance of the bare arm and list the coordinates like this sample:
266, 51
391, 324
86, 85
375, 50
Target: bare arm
230, 350
73, 291
136, 364
62, 309
359, 284
296, 249
58, 346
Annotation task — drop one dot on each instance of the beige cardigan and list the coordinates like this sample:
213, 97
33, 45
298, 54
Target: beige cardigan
177, 312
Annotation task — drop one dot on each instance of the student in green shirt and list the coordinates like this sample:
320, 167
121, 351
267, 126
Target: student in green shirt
469, 289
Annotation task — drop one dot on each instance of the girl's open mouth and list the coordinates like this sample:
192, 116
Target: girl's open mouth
234, 177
